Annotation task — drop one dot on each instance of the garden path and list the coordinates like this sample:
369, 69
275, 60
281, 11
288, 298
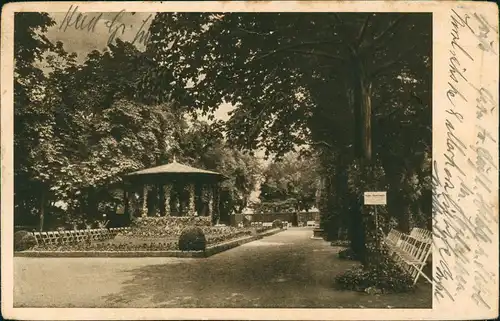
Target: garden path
287, 270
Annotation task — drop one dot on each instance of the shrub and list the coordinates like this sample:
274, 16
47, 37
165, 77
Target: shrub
277, 224
385, 276
192, 239
23, 240
18, 236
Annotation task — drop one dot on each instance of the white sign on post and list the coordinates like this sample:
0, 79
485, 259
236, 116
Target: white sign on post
375, 198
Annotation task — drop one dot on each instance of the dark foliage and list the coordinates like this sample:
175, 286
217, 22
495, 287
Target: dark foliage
23, 241
192, 239
386, 277
348, 254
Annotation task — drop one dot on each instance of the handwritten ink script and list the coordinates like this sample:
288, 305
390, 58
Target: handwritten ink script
465, 180
115, 27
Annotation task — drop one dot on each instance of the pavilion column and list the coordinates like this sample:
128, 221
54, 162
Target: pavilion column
191, 205
216, 198
210, 200
166, 199
145, 200
128, 206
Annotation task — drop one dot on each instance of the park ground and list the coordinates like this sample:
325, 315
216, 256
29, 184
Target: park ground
285, 270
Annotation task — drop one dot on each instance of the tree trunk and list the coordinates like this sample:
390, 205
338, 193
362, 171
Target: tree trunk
356, 230
360, 100
42, 210
92, 205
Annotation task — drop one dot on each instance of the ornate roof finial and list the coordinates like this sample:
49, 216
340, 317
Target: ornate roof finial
175, 160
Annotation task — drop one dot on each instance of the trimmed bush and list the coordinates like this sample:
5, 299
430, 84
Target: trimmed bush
192, 239
18, 236
24, 240
278, 224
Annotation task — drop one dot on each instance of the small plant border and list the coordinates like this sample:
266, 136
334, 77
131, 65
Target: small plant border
209, 251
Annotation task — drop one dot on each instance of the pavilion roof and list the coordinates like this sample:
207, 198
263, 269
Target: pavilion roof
174, 168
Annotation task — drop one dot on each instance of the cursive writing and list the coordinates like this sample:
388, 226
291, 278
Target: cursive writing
463, 185
114, 26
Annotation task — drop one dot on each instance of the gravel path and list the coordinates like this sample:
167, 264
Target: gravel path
286, 270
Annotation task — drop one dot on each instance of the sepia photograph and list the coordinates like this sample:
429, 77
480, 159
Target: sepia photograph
222, 160
233, 159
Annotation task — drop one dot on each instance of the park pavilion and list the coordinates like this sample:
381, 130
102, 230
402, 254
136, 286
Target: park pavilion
173, 189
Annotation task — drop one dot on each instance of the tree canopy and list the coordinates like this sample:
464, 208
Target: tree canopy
292, 181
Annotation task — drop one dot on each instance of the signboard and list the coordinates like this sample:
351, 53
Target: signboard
375, 198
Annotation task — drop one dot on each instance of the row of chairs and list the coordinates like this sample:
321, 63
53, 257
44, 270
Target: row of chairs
286, 224
411, 251
76, 236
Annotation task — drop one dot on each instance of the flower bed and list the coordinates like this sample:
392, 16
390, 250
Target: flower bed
156, 234
214, 238
165, 226
263, 229
172, 227
133, 247
108, 246
214, 235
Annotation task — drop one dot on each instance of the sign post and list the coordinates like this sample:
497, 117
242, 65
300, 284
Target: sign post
375, 198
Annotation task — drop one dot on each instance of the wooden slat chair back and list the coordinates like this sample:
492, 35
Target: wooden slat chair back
412, 254
38, 238
44, 237
393, 237
420, 233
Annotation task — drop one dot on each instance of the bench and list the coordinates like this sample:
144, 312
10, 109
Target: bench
410, 252
311, 223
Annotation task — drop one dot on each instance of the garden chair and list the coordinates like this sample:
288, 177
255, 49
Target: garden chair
412, 253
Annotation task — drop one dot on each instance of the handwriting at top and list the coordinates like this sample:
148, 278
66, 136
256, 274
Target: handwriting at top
483, 33
115, 28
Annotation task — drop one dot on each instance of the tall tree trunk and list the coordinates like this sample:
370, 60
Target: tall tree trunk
341, 191
361, 102
92, 205
42, 209
359, 97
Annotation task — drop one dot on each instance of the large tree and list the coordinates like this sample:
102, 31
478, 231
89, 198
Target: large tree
290, 180
30, 116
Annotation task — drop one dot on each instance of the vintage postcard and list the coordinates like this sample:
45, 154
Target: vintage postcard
249, 160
